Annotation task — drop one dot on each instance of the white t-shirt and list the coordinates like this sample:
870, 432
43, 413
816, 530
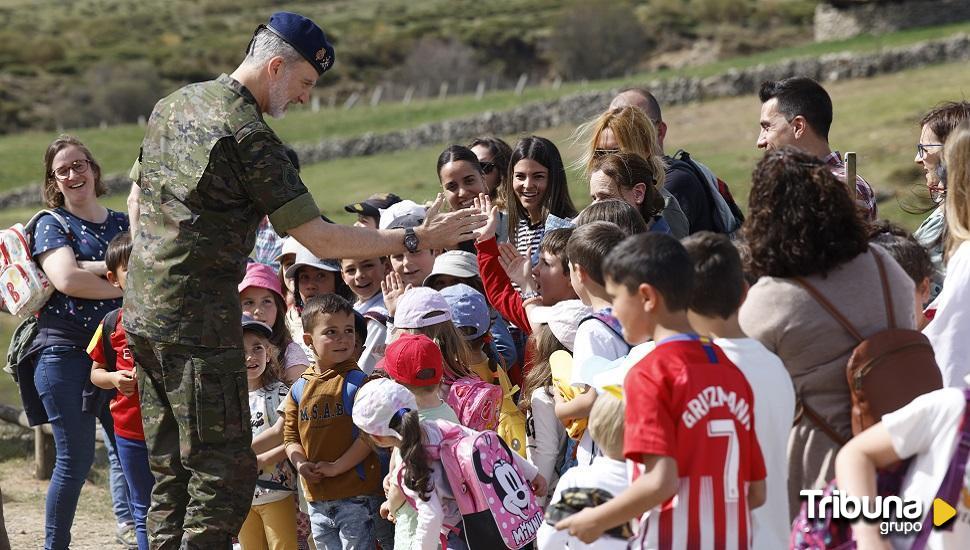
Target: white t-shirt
774, 410
927, 429
604, 473
278, 481
949, 328
593, 337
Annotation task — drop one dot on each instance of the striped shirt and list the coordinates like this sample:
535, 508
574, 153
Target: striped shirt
687, 401
528, 237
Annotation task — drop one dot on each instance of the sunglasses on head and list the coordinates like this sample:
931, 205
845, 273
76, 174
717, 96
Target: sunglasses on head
487, 167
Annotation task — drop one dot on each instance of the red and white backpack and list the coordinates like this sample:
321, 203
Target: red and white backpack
24, 288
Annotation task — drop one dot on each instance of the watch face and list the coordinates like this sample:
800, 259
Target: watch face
411, 241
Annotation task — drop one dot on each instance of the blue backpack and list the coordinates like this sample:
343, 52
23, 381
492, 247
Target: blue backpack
352, 382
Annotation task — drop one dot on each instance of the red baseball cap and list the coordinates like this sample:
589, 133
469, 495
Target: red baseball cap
413, 359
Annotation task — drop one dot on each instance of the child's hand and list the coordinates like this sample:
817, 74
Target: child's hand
584, 525
517, 266
393, 288
124, 382
386, 512
309, 471
326, 469
484, 204
540, 486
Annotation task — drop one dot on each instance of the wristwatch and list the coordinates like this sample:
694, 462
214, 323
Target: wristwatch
410, 240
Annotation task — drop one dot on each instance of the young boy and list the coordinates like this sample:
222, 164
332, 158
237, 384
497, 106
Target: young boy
689, 420
340, 472
607, 473
364, 278
718, 291
415, 362
598, 335
125, 410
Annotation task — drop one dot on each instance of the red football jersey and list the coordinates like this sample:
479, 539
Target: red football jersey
125, 411
686, 400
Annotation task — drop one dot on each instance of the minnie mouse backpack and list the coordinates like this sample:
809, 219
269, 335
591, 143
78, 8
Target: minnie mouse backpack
496, 502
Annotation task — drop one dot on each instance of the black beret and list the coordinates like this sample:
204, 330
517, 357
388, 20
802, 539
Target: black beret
305, 37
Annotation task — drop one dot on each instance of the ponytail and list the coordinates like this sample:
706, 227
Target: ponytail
417, 473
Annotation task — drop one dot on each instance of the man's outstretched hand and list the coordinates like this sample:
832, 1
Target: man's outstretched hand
445, 231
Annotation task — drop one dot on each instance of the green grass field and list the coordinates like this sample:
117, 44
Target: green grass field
21, 155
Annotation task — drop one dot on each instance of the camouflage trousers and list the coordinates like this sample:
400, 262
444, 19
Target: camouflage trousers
195, 409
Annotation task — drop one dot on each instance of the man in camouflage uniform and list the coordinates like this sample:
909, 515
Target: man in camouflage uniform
210, 168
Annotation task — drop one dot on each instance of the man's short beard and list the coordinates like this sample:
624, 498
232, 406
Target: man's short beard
277, 99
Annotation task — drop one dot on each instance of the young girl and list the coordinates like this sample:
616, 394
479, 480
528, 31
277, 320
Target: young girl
536, 188
271, 522
261, 297
545, 434
389, 414
311, 276
425, 311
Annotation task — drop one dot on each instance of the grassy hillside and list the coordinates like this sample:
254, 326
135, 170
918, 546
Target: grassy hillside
116, 147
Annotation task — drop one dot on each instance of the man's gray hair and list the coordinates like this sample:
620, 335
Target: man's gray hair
268, 45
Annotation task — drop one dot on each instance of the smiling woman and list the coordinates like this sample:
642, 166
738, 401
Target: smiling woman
71, 252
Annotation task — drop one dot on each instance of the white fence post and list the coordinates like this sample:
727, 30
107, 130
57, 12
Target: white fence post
375, 97
480, 90
520, 85
408, 94
443, 90
315, 104
351, 101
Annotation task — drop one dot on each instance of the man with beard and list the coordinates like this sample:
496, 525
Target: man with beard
209, 169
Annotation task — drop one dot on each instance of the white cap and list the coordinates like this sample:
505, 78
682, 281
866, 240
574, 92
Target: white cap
457, 263
290, 246
376, 404
563, 319
401, 214
306, 258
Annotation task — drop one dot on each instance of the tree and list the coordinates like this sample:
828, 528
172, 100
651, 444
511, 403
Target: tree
598, 38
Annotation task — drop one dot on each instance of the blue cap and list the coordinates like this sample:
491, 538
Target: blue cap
305, 37
468, 309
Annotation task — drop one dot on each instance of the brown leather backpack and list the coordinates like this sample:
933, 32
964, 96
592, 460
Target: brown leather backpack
886, 370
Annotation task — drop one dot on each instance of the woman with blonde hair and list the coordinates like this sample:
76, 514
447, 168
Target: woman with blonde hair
629, 129
950, 323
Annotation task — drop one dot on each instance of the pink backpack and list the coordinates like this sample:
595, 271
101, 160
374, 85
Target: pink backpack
476, 403
496, 502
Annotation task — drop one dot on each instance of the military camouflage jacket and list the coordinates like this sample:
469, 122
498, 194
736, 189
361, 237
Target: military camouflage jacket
211, 168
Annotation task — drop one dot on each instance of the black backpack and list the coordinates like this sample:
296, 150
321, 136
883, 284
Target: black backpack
708, 178
93, 398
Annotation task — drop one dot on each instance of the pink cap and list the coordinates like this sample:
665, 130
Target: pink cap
261, 276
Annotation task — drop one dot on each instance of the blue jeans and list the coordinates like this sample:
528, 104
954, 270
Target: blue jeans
138, 474
120, 500
59, 376
344, 524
